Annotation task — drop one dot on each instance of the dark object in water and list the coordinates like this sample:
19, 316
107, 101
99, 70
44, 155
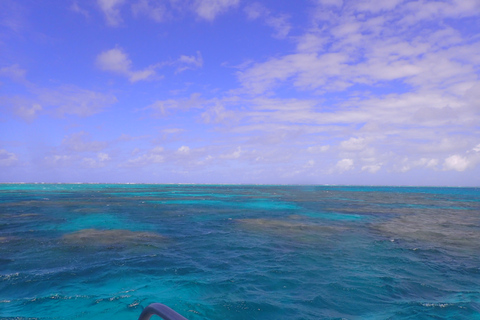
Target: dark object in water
160, 310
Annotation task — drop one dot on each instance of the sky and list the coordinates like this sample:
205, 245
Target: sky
361, 92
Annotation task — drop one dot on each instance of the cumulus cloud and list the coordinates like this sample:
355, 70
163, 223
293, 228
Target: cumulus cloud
353, 144
336, 57
164, 107
28, 112
232, 155
318, 149
111, 10
99, 162
217, 113
12, 16
209, 9
152, 156
161, 10
438, 9
304, 70
60, 101
310, 163
81, 142
173, 131
25, 108
79, 149
155, 10
335, 3
117, 61
278, 22
76, 8
344, 165
374, 6
190, 62
463, 162
73, 100
393, 94
13, 72
214, 109
456, 162
183, 150
59, 160
408, 164
372, 168
7, 159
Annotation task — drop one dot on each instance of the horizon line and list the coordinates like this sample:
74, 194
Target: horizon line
250, 184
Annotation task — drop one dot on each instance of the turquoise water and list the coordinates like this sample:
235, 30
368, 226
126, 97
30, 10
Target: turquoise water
239, 252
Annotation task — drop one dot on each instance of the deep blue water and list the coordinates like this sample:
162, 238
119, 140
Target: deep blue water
90, 251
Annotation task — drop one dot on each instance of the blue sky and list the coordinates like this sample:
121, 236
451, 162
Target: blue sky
234, 91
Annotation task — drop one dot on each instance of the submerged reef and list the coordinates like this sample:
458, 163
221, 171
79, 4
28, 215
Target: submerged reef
117, 237
291, 226
452, 231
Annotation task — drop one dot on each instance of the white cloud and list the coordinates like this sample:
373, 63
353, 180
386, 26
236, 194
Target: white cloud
157, 149
59, 160
209, 9
173, 131
190, 62
7, 159
117, 61
183, 150
353, 144
255, 10
103, 156
60, 101
304, 70
461, 163
153, 156
25, 109
74, 100
161, 10
371, 50
335, 3
80, 142
278, 22
429, 163
114, 60
14, 72
155, 10
344, 165
12, 16
65, 99
318, 149
427, 10
217, 113
407, 164
99, 162
372, 168
456, 162
310, 42
233, 155
111, 9
163, 107
376, 6
76, 8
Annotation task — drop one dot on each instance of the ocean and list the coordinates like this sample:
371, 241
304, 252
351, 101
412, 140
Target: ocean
105, 251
